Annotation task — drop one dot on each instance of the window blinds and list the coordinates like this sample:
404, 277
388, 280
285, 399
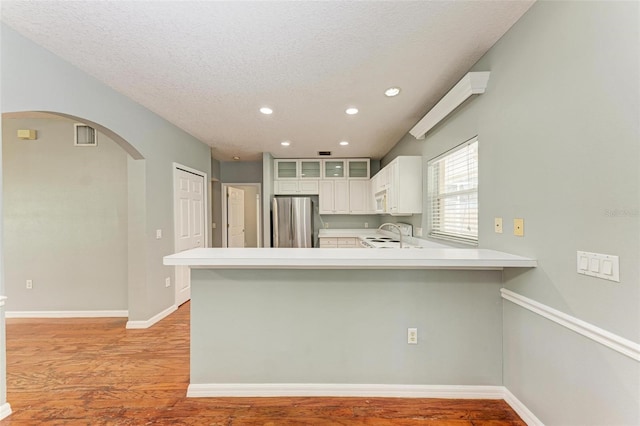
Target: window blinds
453, 194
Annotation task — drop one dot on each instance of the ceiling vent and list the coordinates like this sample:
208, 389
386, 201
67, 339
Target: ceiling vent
324, 153
85, 135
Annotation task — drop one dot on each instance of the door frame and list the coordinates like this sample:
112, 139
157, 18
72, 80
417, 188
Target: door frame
259, 213
205, 215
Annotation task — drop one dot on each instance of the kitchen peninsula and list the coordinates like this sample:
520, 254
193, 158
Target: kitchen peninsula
334, 321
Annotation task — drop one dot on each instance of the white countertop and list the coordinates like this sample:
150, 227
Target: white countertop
348, 258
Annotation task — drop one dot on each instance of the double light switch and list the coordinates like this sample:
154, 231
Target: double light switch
599, 265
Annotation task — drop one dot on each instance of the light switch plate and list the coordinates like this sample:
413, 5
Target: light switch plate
158, 234
518, 227
497, 225
598, 265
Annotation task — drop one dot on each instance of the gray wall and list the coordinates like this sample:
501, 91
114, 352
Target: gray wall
558, 130
241, 171
34, 79
65, 219
346, 326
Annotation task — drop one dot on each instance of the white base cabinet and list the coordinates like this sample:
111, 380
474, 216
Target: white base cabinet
338, 242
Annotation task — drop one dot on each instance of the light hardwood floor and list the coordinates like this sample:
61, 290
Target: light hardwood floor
95, 372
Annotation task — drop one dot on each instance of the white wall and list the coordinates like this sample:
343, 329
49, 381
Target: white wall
65, 219
558, 130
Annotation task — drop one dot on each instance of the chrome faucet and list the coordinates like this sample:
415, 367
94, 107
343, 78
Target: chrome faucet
395, 226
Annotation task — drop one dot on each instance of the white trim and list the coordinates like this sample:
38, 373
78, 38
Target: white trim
206, 218
66, 314
223, 191
343, 390
151, 321
597, 334
525, 414
5, 410
473, 83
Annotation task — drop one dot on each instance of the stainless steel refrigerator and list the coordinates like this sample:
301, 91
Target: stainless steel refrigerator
292, 222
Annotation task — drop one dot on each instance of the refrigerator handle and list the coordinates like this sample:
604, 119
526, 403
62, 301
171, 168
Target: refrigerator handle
292, 234
275, 223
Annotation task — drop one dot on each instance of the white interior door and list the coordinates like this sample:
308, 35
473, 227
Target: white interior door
189, 225
235, 217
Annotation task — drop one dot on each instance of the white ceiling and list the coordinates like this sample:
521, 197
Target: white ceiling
208, 66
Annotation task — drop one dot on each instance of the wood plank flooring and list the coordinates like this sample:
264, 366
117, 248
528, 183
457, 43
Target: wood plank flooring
95, 372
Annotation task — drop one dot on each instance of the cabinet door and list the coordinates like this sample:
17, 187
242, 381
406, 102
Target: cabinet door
310, 169
359, 196
325, 197
393, 189
334, 169
308, 187
285, 187
286, 169
341, 197
358, 169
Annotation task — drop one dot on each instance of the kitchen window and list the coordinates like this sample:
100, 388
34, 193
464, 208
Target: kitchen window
453, 194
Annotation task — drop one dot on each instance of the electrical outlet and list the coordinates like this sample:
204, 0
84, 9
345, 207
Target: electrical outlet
412, 336
518, 227
418, 232
497, 225
366, 225
167, 282
29, 284
326, 225
213, 225
158, 234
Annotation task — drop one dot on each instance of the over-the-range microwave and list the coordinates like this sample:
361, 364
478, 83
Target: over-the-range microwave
381, 201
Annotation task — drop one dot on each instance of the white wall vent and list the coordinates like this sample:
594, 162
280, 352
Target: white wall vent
85, 135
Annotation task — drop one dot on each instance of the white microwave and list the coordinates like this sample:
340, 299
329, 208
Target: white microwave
381, 201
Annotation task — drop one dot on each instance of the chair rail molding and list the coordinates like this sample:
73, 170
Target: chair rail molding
597, 334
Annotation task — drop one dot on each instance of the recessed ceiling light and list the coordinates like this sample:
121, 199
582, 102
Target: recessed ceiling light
285, 143
266, 110
392, 91
352, 111
236, 158
344, 143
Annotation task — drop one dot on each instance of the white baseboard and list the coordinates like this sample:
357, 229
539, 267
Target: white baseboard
525, 414
343, 390
67, 314
5, 410
148, 323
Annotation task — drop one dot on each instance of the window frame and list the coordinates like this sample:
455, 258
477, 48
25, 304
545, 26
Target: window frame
436, 223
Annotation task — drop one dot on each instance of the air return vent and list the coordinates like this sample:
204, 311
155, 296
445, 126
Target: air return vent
85, 135
324, 153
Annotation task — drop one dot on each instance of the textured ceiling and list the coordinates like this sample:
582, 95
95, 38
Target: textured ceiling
208, 66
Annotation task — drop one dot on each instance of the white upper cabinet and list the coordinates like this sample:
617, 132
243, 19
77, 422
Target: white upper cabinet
310, 169
358, 168
334, 197
401, 181
334, 169
297, 169
359, 197
286, 169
